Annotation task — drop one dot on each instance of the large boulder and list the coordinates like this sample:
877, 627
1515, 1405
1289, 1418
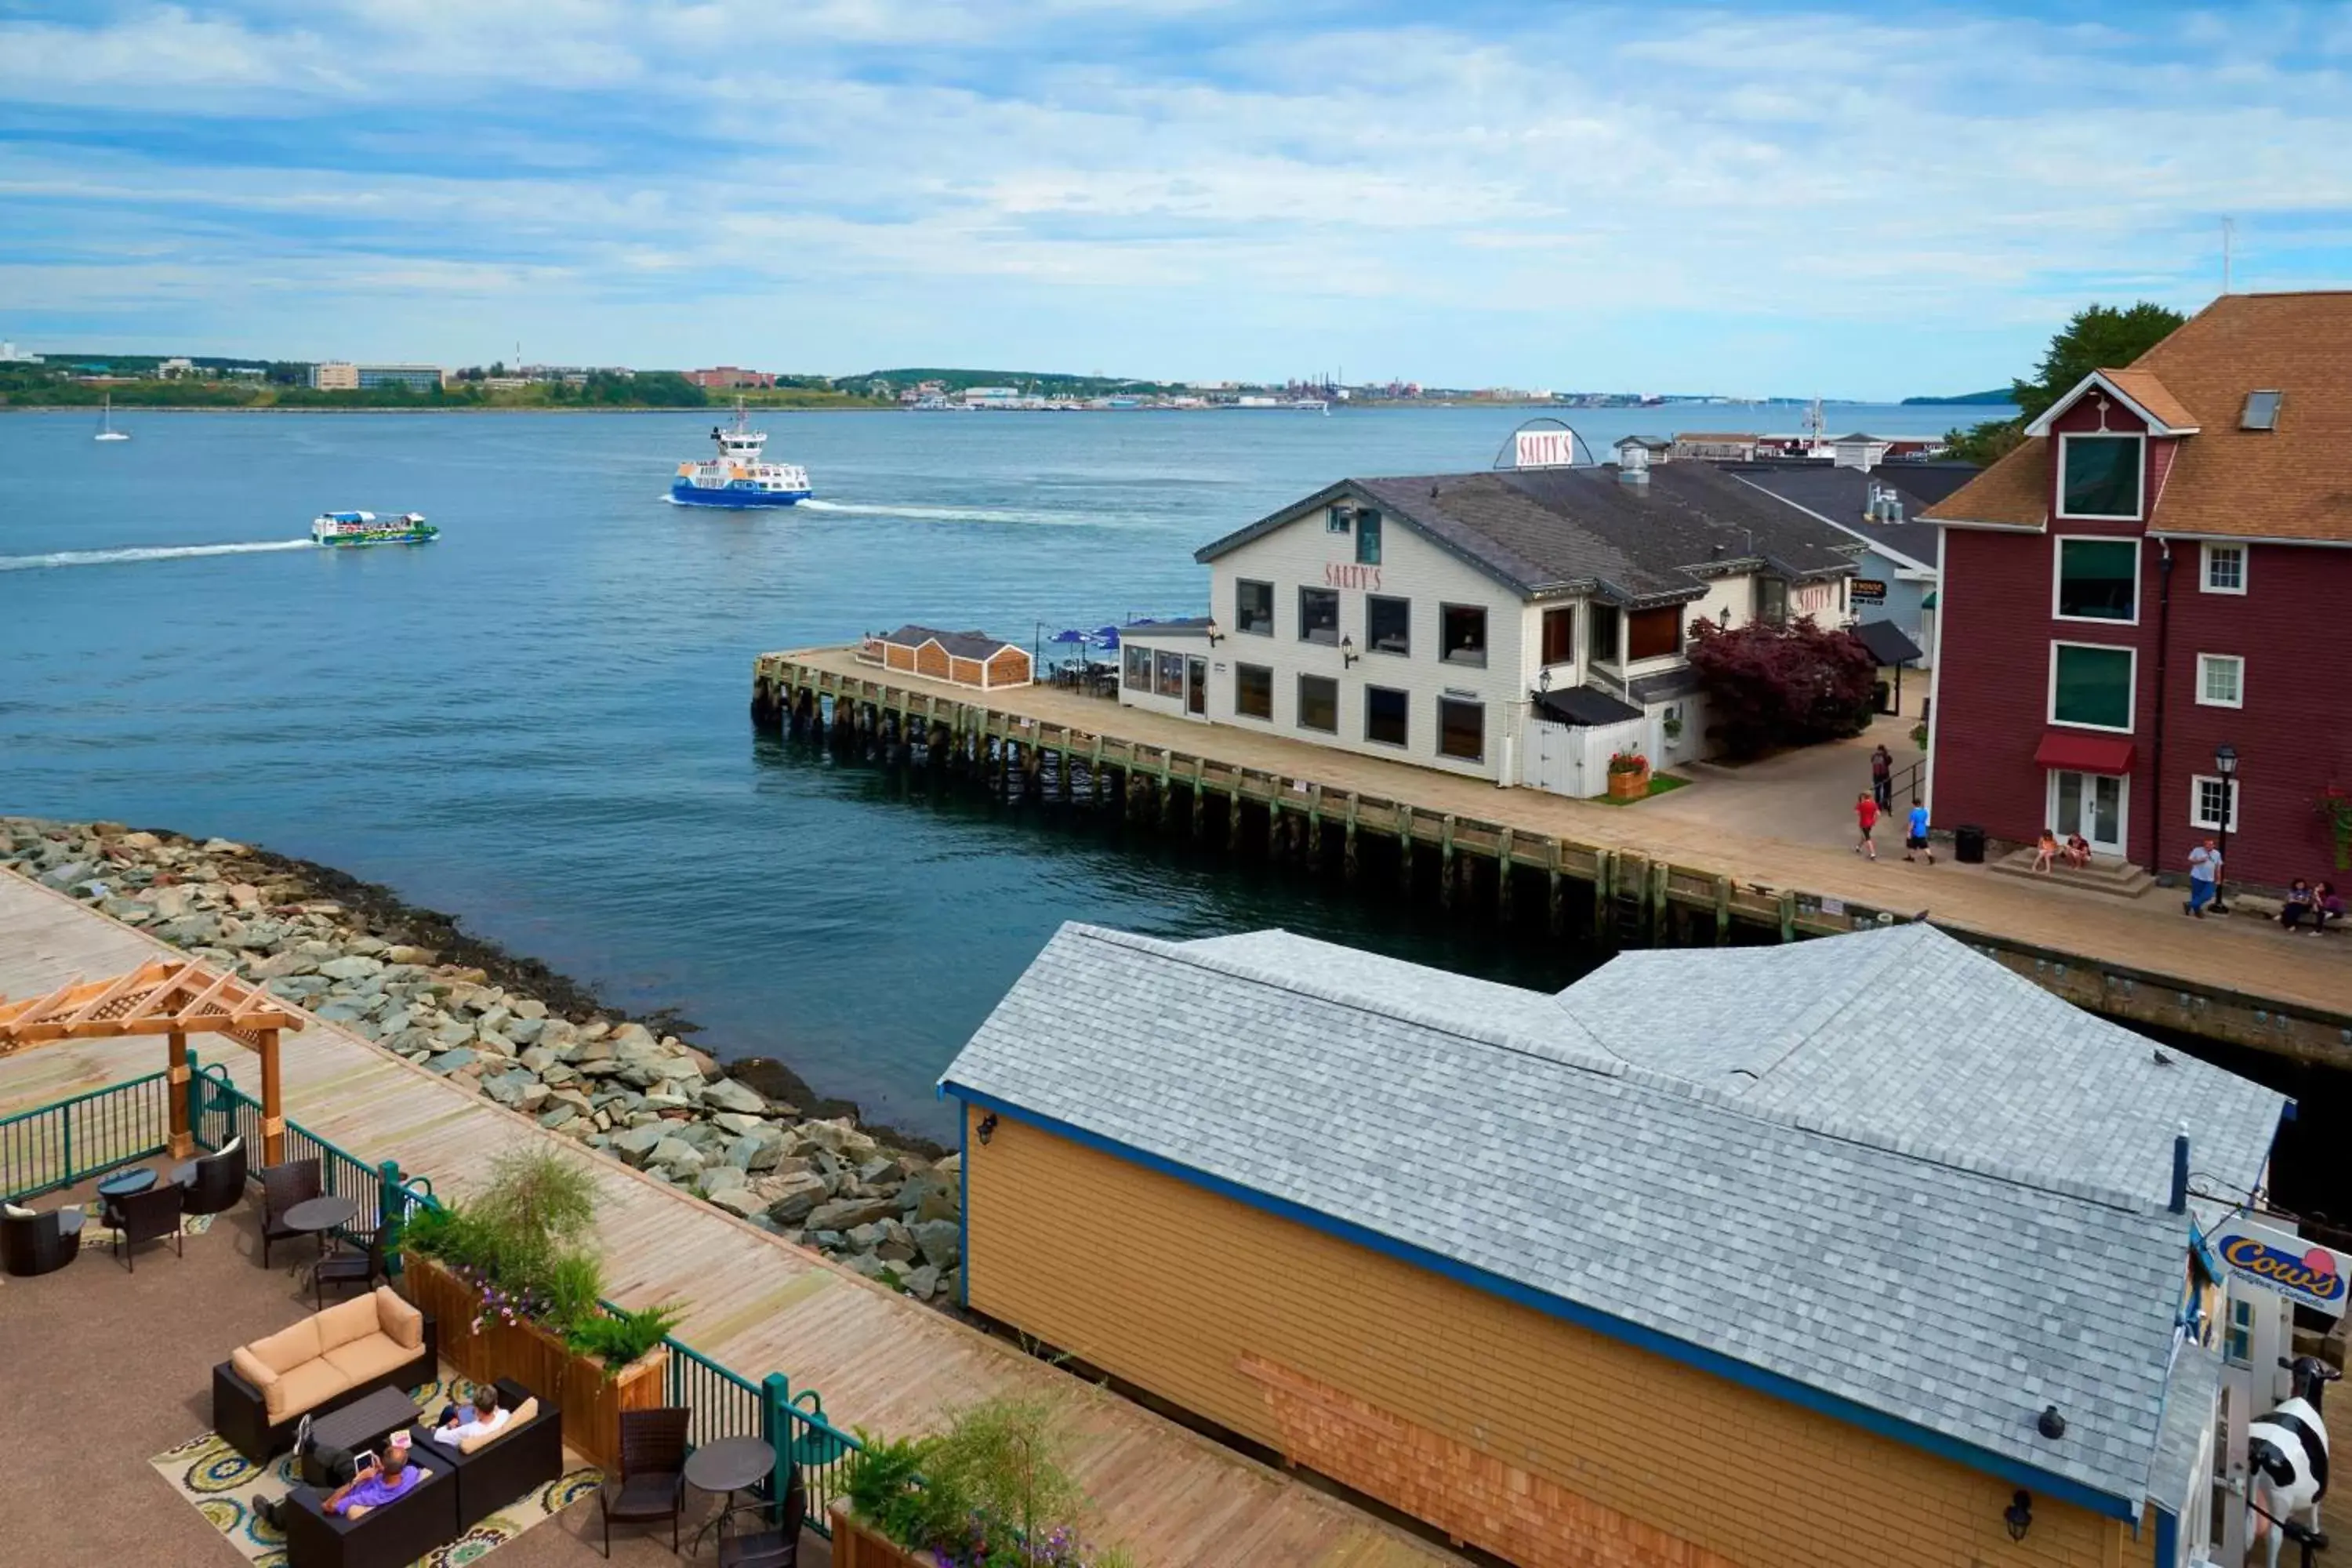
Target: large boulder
840, 1137
795, 1198
760, 1150
715, 1179
845, 1213
940, 1242
742, 1202
729, 1094
636, 1145
351, 966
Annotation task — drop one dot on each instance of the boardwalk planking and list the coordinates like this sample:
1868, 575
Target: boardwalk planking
2247, 957
755, 1303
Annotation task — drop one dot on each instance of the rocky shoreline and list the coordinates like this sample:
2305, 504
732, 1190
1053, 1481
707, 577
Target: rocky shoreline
750, 1140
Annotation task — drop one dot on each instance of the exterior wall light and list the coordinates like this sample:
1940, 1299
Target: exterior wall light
987, 1128
1347, 652
2019, 1515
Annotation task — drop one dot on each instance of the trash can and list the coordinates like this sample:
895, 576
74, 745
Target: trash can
1968, 843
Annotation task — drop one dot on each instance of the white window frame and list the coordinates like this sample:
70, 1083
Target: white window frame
2050, 705
2196, 818
2205, 699
1339, 519
2058, 543
2058, 501
2205, 566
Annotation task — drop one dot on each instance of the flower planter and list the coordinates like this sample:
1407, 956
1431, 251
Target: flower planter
855, 1545
1629, 787
540, 1360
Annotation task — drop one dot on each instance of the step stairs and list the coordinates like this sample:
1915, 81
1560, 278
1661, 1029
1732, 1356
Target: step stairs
2105, 874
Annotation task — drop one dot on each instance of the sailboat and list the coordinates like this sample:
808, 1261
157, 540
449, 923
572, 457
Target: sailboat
106, 430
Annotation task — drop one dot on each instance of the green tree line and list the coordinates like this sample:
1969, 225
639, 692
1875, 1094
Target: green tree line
2098, 337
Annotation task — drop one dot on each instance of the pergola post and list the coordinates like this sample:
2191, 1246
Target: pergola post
184, 1140
273, 1118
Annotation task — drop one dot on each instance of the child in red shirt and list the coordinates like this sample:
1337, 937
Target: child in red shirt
1865, 812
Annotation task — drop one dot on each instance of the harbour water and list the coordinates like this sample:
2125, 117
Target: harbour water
537, 723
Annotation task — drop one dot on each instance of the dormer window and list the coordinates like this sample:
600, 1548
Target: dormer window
2099, 476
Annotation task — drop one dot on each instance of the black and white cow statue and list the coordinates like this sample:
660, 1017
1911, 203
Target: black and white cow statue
2287, 1453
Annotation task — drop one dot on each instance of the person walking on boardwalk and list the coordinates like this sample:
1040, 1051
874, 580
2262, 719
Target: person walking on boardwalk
1865, 812
1915, 832
1881, 778
2204, 877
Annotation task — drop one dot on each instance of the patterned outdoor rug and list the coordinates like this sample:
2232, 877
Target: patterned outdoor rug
223, 1485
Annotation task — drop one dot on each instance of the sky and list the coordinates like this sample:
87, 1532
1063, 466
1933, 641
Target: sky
1755, 200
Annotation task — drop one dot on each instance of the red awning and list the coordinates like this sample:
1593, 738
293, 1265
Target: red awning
2083, 753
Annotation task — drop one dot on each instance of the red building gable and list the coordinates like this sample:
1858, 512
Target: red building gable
2162, 568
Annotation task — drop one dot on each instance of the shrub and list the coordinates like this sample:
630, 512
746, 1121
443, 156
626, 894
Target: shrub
992, 1491
1790, 685
619, 1338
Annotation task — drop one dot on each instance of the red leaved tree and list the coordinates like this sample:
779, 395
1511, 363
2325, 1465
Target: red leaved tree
1790, 685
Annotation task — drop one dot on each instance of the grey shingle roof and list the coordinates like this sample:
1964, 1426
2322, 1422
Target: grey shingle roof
1843, 497
960, 645
1507, 1134
1558, 530
2188, 1402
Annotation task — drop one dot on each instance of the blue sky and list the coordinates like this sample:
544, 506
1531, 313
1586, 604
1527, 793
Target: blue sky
1754, 199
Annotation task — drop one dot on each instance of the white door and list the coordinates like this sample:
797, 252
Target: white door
2091, 804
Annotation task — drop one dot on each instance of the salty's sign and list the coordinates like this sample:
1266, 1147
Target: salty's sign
1544, 449
2302, 1271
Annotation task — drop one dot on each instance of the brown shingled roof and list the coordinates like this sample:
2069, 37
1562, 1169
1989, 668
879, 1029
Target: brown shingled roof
2142, 388
2288, 483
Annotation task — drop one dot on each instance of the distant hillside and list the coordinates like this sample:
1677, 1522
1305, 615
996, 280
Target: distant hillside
2000, 395
1041, 382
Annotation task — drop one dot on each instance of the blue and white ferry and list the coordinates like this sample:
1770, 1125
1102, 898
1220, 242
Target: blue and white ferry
737, 478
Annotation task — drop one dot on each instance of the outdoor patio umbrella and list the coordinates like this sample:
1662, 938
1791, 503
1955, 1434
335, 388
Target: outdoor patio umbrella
1106, 636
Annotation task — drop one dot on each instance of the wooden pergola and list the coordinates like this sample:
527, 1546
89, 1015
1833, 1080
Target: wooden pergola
174, 998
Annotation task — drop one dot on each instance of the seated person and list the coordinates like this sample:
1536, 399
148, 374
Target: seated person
378, 1481
2297, 909
2326, 906
483, 1417
2046, 850
2077, 851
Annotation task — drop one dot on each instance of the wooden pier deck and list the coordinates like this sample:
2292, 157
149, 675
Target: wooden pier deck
2243, 982
754, 1302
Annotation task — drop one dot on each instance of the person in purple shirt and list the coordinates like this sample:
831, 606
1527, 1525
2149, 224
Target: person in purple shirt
376, 1484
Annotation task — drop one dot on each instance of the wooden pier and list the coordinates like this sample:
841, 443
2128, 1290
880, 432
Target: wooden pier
1602, 872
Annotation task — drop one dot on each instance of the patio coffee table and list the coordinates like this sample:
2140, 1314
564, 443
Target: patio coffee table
363, 1423
122, 1186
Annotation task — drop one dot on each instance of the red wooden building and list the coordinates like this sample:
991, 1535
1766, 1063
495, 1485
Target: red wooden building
2161, 571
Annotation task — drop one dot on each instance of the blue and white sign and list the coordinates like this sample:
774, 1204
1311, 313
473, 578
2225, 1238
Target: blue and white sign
2302, 1271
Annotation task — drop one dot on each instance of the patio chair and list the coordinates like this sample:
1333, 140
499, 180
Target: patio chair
778, 1547
652, 1481
38, 1243
150, 1216
363, 1267
214, 1184
283, 1186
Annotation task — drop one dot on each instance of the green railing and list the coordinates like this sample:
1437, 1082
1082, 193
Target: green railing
724, 1403
71, 1141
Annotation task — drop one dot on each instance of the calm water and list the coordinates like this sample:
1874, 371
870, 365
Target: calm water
538, 722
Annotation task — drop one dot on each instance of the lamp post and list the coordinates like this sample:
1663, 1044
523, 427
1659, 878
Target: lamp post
2225, 762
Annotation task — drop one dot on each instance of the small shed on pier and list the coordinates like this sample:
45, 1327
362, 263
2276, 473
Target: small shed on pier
963, 658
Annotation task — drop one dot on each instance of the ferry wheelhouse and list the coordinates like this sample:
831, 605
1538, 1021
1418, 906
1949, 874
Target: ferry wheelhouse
737, 478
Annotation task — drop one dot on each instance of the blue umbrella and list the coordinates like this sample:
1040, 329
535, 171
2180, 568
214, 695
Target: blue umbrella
1108, 636
1071, 637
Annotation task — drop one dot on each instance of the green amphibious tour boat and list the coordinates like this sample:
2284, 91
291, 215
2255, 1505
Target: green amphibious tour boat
346, 528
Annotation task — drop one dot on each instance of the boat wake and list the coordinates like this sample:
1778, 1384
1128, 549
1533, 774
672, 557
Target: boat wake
144, 552
940, 513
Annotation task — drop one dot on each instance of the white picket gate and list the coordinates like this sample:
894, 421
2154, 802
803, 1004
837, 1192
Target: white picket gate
1573, 759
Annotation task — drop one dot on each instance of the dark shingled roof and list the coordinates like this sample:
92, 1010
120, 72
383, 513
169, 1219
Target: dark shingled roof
1843, 496
959, 644
1550, 531
1887, 643
1585, 705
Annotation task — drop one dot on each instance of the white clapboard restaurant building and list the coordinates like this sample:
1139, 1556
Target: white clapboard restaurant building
1518, 626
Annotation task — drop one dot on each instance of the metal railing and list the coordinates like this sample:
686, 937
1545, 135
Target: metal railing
71, 1139
68, 1141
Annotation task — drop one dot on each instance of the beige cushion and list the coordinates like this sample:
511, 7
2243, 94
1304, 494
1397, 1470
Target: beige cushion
398, 1319
367, 1357
15, 1213
356, 1318
288, 1348
515, 1417
301, 1388
250, 1368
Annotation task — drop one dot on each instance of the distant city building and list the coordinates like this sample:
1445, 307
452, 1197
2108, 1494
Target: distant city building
174, 369
335, 375
990, 394
11, 354
416, 377
729, 378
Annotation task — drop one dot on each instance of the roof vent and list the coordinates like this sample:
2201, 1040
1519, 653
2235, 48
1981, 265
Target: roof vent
2261, 412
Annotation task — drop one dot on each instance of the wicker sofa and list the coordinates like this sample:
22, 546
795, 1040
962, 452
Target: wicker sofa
495, 1469
392, 1535
321, 1364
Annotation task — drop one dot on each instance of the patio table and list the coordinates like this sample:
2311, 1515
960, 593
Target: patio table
725, 1467
320, 1216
